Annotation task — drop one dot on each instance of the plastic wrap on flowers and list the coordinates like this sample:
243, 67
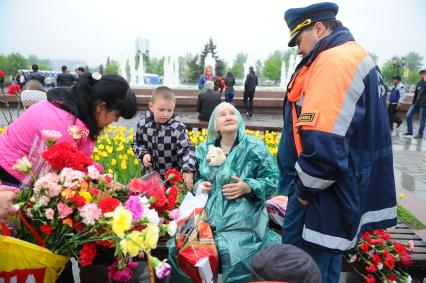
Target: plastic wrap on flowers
276, 208
22, 262
196, 250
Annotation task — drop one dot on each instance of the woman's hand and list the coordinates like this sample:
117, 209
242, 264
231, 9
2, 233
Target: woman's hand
147, 160
7, 197
235, 190
204, 187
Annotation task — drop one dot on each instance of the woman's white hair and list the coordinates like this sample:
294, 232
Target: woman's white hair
217, 109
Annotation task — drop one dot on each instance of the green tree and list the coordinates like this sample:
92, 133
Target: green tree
413, 61
388, 71
12, 63
210, 47
128, 71
237, 68
272, 66
112, 67
43, 64
194, 70
220, 67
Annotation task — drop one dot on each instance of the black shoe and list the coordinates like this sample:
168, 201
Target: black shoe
407, 134
418, 137
398, 124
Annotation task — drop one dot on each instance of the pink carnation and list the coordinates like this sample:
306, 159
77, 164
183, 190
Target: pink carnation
64, 210
133, 204
72, 177
49, 213
43, 200
90, 213
51, 135
174, 214
93, 172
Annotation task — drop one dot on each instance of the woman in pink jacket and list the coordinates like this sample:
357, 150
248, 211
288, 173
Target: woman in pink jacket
93, 104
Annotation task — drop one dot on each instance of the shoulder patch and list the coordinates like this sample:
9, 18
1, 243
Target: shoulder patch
308, 119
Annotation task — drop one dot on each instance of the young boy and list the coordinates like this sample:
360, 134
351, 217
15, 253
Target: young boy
161, 142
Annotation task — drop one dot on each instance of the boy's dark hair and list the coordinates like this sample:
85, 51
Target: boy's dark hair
81, 69
64, 68
421, 72
163, 92
82, 99
34, 67
398, 78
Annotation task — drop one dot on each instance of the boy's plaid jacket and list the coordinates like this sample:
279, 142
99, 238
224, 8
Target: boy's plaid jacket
168, 144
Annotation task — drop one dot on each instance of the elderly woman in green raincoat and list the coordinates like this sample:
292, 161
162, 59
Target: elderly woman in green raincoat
237, 191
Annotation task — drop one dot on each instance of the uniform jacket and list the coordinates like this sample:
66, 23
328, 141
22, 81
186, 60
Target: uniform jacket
338, 144
397, 94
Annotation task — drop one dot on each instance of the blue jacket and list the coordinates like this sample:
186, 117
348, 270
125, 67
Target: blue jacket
345, 167
397, 94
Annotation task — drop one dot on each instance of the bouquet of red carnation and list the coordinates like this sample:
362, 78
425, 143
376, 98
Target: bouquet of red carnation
377, 258
14, 89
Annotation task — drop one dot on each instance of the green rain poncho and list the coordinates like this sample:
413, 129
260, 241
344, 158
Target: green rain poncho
240, 226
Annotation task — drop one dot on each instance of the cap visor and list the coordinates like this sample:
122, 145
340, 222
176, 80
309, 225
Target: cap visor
292, 41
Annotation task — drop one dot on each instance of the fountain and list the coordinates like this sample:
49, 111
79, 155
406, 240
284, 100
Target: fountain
283, 76
171, 71
210, 61
249, 63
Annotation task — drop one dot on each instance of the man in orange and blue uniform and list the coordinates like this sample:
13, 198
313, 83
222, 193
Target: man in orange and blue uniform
335, 154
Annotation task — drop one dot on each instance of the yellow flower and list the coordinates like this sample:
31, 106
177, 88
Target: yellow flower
109, 148
101, 147
104, 154
113, 162
130, 152
97, 157
95, 150
136, 162
110, 171
123, 165
132, 244
151, 234
121, 221
401, 196
86, 195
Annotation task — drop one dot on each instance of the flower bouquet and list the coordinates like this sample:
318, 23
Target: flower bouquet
71, 210
377, 259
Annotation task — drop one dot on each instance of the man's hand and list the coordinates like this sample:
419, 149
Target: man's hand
302, 201
188, 179
235, 190
147, 160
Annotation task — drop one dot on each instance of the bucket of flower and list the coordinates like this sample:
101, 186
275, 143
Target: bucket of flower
378, 259
69, 212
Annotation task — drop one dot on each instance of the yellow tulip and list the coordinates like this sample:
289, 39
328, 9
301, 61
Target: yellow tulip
136, 162
113, 162
110, 171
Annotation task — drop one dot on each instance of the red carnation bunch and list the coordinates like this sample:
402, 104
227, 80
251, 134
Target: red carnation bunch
2, 74
173, 176
108, 204
65, 154
381, 259
87, 254
157, 198
171, 194
14, 89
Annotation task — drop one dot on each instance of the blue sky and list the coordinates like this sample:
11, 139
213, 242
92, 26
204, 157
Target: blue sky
93, 30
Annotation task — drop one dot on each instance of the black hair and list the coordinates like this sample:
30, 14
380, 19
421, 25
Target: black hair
64, 68
81, 69
331, 24
229, 75
398, 78
82, 99
34, 67
422, 71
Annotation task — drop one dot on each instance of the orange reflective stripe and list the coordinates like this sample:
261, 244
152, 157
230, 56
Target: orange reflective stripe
296, 135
